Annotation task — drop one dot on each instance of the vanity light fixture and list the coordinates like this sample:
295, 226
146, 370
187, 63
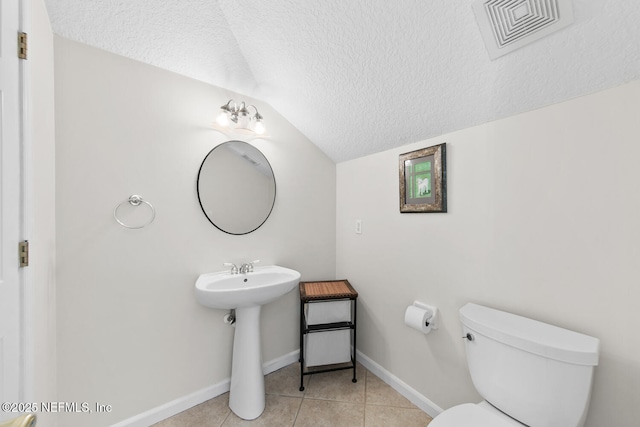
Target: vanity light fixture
237, 117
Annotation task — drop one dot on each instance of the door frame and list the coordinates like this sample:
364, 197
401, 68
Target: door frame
27, 324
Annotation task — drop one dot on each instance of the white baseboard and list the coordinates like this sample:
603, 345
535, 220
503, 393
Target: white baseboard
281, 362
176, 406
400, 386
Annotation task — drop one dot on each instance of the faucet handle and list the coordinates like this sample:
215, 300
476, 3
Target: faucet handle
234, 268
250, 265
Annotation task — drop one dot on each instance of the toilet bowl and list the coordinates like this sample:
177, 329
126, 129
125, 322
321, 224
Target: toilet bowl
476, 415
529, 373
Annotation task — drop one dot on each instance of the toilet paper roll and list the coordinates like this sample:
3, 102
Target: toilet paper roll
417, 318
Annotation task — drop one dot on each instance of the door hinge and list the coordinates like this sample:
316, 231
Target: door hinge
22, 45
23, 252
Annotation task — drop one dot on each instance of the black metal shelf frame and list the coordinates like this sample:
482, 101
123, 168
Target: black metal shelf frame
306, 328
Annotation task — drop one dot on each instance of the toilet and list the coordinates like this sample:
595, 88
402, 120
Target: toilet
529, 373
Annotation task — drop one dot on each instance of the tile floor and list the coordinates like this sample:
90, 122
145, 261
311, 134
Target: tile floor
329, 399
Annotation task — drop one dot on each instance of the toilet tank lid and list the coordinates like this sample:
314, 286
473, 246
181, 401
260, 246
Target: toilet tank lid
531, 335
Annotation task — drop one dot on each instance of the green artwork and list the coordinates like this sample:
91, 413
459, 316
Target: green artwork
422, 167
420, 180
423, 185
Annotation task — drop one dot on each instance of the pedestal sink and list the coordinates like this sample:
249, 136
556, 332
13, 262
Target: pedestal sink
246, 293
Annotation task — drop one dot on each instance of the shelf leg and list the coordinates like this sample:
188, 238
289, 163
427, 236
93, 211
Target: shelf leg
301, 358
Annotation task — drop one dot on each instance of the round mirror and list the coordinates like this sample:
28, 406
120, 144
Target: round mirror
236, 187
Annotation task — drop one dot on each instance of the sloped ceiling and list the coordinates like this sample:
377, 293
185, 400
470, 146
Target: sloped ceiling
362, 76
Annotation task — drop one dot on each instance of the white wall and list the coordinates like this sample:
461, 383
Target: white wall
542, 221
41, 385
130, 332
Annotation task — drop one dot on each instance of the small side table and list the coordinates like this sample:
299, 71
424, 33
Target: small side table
327, 291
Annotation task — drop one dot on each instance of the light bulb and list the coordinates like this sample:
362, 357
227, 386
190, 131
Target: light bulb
223, 119
259, 128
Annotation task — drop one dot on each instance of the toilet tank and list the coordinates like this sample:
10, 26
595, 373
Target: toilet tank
534, 372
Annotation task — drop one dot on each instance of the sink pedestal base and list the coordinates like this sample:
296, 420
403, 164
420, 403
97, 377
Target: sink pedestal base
246, 397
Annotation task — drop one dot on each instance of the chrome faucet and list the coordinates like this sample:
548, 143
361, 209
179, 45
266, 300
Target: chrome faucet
248, 267
234, 268
243, 269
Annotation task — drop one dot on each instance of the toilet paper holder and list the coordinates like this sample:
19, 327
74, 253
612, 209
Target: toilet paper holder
434, 319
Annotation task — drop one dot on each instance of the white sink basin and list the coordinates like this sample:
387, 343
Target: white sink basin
246, 293
226, 291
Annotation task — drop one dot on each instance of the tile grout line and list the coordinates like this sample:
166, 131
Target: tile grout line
366, 382
295, 419
225, 418
304, 392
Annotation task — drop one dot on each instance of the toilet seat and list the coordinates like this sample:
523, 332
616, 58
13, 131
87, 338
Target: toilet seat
471, 415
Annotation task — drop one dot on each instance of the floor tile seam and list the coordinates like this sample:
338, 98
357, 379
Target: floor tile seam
295, 419
393, 406
300, 396
229, 412
360, 405
333, 399
366, 382
320, 399
381, 405
308, 386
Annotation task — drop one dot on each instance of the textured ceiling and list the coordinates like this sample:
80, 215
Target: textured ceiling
362, 76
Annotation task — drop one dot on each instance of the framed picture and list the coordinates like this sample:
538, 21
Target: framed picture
423, 180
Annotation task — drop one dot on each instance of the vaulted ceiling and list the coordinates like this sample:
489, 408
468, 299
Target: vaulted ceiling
361, 76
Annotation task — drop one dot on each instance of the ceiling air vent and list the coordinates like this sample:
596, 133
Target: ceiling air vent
507, 25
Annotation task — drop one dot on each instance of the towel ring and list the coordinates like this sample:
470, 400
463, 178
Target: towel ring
135, 200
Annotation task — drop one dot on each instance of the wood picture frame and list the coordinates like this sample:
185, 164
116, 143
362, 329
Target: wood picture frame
423, 180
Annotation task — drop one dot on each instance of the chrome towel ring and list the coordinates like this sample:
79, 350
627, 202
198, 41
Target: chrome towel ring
135, 200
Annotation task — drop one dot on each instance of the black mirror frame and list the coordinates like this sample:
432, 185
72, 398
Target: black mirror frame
275, 190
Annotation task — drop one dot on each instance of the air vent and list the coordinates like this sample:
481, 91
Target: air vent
507, 25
